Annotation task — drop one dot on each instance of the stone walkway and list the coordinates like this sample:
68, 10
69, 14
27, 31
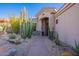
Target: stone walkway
37, 46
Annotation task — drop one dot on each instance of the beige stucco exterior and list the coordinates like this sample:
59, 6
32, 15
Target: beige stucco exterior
68, 25
38, 26
49, 13
68, 21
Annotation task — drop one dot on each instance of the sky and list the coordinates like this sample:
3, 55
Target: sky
9, 9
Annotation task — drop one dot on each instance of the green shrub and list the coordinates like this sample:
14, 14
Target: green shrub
54, 37
50, 35
15, 24
77, 47
12, 36
2, 27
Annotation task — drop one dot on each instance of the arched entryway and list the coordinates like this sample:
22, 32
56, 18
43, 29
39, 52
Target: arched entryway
45, 26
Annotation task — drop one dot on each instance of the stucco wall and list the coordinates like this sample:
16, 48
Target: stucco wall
68, 25
51, 18
38, 26
51, 22
46, 12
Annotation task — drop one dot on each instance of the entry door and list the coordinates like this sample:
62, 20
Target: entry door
45, 27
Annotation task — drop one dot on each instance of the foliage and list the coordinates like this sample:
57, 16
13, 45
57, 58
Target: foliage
77, 47
15, 24
14, 39
2, 27
22, 25
26, 29
53, 36
12, 36
50, 34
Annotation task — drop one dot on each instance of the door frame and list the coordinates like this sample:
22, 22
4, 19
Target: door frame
44, 27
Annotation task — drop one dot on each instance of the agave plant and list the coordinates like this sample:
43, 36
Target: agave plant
53, 36
77, 47
12, 36
3, 27
50, 34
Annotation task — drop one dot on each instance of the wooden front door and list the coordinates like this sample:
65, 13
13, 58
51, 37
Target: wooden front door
45, 26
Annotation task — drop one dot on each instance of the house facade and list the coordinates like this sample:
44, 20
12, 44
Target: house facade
45, 21
68, 21
65, 22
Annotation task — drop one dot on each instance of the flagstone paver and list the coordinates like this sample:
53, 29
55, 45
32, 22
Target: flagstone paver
37, 46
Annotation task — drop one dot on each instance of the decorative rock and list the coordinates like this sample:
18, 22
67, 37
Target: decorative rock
67, 53
6, 50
